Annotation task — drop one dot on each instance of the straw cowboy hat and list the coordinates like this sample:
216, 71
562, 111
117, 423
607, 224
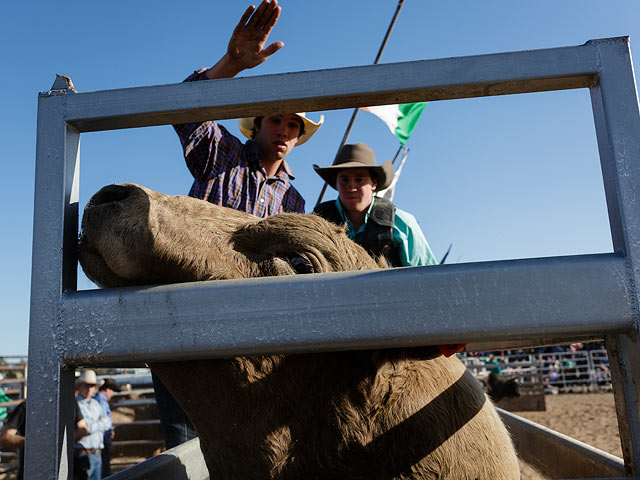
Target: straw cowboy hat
89, 377
310, 127
357, 155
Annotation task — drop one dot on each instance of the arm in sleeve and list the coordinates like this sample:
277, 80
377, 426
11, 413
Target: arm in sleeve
95, 418
106, 409
103, 424
12, 434
410, 241
207, 146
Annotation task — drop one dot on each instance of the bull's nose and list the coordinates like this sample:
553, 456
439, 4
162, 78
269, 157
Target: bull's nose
112, 193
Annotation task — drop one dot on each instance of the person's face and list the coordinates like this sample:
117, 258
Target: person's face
87, 390
355, 188
108, 393
277, 135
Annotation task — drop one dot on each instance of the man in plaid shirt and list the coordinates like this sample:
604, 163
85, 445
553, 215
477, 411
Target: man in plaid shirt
252, 177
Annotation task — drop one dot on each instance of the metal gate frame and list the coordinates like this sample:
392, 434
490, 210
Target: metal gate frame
583, 295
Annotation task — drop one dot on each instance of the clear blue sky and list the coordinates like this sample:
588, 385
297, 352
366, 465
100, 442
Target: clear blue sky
500, 178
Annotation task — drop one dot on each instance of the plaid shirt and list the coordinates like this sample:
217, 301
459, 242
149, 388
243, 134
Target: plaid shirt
229, 173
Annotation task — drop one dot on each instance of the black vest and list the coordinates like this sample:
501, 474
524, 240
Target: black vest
377, 237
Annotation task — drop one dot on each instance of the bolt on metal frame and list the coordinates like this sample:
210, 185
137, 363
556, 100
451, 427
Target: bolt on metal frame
583, 295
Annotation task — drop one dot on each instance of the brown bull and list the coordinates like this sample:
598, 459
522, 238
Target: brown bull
372, 414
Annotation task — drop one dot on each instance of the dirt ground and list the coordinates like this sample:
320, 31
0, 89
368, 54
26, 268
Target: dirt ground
590, 418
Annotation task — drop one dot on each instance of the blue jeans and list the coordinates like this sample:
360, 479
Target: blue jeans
175, 424
95, 465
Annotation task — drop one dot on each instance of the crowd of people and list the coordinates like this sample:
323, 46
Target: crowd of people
571, 367
93, 428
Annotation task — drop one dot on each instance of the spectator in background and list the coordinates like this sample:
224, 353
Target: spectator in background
91, 445
105, 392
3, 398
12, 434
3, 410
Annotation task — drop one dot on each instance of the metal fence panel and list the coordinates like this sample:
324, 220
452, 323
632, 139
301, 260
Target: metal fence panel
590, 294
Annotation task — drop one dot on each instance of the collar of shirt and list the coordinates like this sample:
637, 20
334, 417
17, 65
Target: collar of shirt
350, 231
100, 398
89, 401
283, 170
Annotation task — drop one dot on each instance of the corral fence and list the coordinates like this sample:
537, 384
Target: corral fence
13, 383
592, 295
581, 371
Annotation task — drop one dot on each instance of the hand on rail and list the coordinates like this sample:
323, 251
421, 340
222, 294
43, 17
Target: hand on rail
246, 47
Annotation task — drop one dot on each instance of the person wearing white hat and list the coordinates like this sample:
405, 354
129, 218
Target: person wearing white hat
253, 176
91, 445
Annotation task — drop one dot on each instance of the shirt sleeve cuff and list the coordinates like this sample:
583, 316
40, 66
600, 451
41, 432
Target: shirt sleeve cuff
448, 350
197, 75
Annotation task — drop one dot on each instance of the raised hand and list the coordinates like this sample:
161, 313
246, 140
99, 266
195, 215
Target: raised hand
246, 47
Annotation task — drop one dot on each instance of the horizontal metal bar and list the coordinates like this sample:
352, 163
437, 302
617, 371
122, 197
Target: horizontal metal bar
425, 80
556, 455
179, 463
561, 296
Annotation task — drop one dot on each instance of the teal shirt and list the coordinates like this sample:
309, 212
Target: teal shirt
408, 238
3, 410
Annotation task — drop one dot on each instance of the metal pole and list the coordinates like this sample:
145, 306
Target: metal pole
355, 110
393, 162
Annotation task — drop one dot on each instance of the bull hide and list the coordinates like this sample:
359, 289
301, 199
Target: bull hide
370, 414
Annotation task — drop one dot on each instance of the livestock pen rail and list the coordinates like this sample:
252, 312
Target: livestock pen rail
585, 295
13, 378
554, 372
13, 383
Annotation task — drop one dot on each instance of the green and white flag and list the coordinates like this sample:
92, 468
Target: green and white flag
391, 189
401, 119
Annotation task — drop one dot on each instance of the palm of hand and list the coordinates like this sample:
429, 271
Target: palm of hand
247, 47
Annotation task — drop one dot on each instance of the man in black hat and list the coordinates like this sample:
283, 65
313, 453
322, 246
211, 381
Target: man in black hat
104, 395
373, 222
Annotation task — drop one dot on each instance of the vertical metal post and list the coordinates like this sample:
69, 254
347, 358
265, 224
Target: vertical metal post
626, 399
591, 368
617, 121
24, 382
49, 435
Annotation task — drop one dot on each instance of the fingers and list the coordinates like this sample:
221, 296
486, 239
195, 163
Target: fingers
262, 16
271, 21
254, 21
271, 49
245, 17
